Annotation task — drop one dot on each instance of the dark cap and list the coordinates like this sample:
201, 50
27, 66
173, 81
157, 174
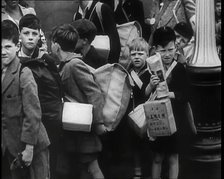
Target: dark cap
184, 29
30, 21
85, 28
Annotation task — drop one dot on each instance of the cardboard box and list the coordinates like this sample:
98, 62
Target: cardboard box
77, 116
160, 118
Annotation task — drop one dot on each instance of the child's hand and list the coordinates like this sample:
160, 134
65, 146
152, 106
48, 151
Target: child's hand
154, 81
27, 155
171, 95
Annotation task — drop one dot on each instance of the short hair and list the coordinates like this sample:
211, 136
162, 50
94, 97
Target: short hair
184, 29
139, 44
30, 21
85, 28
10, 31
163, 35
66, 36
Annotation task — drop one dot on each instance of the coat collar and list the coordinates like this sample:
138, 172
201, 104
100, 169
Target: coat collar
10, 74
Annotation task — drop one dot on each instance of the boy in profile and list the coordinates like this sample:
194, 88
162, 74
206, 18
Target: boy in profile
87, 32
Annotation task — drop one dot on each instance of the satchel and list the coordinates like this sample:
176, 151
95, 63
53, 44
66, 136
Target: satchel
116, 85
77, 116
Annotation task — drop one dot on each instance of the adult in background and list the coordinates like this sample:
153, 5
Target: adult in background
170, 12
87, 32
81, 148
132, 10
86, 9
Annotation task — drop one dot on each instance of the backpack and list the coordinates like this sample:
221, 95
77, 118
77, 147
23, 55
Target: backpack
129, 31
115, 84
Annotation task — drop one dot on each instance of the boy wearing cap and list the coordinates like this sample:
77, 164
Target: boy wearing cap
184, 42
87, 32
29, 27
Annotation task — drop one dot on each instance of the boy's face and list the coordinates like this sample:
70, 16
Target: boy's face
138, 58
29, 38
167, 53
12, 3
9, 50
181, 41
218, 8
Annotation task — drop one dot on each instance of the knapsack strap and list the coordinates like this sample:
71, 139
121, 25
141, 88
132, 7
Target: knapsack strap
99, 13
136, 79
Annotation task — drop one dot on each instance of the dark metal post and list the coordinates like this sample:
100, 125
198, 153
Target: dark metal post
204, 70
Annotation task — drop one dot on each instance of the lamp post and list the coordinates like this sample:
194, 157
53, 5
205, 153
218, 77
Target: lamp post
204, 71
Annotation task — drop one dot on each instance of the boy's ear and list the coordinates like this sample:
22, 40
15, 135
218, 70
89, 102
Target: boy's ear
152, 50
18, 45
85, 41
57, 45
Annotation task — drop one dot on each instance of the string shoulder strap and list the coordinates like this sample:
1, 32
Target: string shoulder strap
136, 79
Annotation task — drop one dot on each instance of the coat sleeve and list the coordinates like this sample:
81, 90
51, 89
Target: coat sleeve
189, 6
31, 107
89, 87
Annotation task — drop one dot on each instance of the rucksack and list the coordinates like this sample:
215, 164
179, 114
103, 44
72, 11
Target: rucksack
116, 84
129, 31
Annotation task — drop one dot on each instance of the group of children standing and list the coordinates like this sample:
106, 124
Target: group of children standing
39, 94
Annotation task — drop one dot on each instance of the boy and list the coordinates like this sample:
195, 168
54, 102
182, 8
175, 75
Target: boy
184, 42
145, 83
169, 146
79, 84
87, 32
24, 138
105, 24
49, 85
29, 27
